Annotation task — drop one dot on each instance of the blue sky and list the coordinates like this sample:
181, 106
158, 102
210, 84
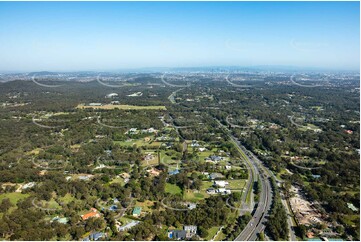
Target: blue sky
67, 36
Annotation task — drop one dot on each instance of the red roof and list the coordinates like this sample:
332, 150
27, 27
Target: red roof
92, 214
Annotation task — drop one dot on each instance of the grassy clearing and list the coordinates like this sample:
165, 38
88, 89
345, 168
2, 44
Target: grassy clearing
146, 205
237, 184
124, 107
212, 232
192, 196
172, 189
220, 237
14, 197
350, 219
67, 198
52, 204
118, 180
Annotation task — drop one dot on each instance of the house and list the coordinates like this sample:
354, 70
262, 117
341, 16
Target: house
191, 230
220, 183
111, 95
228, 167
349, 131
352, 207
93, 214
29, 185
215, 176
42, 172
125, 175
192, 206
60, 220
132, 131
128, 225
148, 157
85, 177
115, 102
113, 208
177, 234
151, 130
202, 149
154, 172
194, 143
223, 191
95, 236
95, 104
215, 158
211, 191
173, 172
137, 211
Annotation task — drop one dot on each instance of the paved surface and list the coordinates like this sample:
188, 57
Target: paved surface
257, 222
291, 235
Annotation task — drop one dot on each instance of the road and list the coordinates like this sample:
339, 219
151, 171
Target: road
291, 235
257, 222
247, 206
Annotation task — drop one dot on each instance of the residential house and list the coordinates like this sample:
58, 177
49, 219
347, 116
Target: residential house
137, 211
95, 236
29, 185
111, 95
215, 176
173, 172
60, 220
223, 191
93, 214
128, 225
192, 206
220, 183
191, 230
95, 104
352, 207
177, 234
211, 191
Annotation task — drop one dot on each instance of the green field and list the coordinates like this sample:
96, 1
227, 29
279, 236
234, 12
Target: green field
212, 232
172, 189
237, 184
14, 197
52, 204
166, 159
67, 198
124, 107
118, 180
191, 196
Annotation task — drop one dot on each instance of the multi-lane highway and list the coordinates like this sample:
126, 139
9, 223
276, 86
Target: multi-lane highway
257, 222
292, 235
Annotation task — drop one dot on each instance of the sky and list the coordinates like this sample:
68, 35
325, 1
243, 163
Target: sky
85, 36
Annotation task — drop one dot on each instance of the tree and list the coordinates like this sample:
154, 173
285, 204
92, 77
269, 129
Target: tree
202, 232
5, 205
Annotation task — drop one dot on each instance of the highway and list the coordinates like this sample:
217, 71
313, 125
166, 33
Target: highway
291, 235
257, 222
